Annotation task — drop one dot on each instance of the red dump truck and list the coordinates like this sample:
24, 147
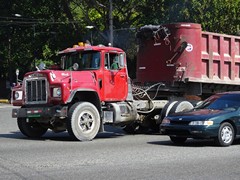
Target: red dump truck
177, 65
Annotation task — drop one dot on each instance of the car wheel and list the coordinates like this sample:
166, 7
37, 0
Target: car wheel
225, 135
31, 129
83, 121
178, 140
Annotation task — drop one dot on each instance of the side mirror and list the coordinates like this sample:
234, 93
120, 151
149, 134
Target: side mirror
121, 60
75, 66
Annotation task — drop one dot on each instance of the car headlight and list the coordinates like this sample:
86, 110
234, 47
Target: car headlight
57, 92
18, 95
200, 123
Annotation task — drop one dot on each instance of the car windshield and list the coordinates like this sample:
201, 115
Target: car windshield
85, 60
221, 101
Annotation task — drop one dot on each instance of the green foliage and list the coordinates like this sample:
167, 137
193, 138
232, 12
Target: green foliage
45, 27
47, 55
220, 16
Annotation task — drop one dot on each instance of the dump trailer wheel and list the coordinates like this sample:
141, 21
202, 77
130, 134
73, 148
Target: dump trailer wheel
181, 106
174, 107
166, 109
31, 129
83, 121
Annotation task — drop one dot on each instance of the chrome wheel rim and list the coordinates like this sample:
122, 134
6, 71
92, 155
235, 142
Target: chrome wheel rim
226, 134
86, 121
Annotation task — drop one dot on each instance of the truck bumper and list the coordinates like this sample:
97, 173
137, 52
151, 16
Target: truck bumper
37, 112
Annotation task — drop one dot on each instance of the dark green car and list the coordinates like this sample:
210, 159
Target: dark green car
218, 118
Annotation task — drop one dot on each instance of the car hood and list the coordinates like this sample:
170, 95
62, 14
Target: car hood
201, 114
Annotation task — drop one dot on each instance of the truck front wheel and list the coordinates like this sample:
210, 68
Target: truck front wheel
83, 121
31, 129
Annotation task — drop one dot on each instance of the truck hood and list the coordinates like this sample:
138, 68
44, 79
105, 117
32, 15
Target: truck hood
55, 76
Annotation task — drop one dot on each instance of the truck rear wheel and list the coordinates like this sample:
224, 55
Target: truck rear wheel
134, 128
31, 129
83, 121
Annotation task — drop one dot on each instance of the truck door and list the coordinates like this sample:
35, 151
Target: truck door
115, 77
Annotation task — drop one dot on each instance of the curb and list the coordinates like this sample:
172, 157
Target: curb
4, 101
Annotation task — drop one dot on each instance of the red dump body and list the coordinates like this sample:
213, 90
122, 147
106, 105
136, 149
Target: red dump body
190, 55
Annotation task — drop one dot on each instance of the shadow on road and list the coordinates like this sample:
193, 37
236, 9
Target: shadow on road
12, 135
110, 132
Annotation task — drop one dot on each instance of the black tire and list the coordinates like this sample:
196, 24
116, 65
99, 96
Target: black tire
83, 121
135, 128
150, 123
166, 109
31, 129
132, 128
225, 135
178, 140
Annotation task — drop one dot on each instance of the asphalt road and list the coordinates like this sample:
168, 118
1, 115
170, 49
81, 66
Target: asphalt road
112, 155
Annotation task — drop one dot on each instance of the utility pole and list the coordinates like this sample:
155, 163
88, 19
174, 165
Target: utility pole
110, 23
9, 59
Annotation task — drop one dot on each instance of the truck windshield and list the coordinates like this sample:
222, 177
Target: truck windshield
86, 60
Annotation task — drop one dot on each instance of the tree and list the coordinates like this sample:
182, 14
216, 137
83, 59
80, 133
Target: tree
49, 26
221, 16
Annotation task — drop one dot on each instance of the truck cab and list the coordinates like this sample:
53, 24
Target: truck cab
107, 64
89, 89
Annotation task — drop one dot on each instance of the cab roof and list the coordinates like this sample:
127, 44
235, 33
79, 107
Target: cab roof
87, 47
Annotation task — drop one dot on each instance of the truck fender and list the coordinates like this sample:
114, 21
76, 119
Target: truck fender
88, 95
74, 92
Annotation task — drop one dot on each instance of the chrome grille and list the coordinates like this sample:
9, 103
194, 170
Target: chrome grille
36, 91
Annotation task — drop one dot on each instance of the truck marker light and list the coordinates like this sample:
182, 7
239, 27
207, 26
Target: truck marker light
81, 44
34, 111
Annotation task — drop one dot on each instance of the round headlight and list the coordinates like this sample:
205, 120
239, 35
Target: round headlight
16, 95
59, 92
